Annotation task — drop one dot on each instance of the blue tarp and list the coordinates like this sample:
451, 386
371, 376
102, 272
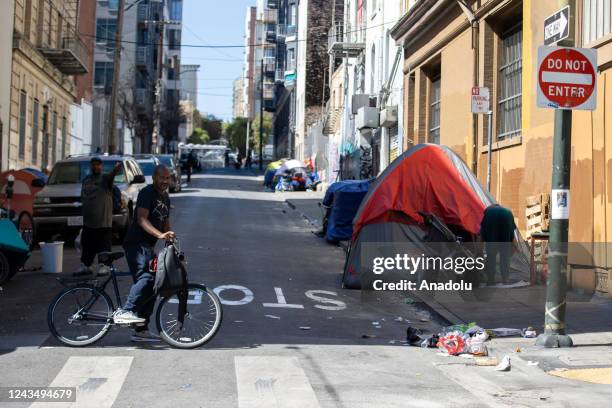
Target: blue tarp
344, 198
269, 177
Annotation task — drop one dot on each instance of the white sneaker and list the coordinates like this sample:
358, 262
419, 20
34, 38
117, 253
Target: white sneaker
145, 337
126, 317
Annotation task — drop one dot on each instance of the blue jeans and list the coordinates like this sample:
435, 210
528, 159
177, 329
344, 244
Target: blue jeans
141, 299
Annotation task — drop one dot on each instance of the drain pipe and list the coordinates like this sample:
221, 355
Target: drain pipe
476, 60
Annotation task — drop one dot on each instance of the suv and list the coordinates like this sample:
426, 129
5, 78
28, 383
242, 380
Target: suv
57, 207
147, 163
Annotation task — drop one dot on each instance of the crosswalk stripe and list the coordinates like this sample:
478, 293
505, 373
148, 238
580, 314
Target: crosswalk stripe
98, 381
273, 381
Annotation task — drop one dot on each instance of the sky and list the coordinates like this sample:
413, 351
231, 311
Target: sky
213, 22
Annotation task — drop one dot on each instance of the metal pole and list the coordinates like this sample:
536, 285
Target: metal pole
158, 90
248, 132
554, 324
556, 284
112, 139
490, 143
261, 126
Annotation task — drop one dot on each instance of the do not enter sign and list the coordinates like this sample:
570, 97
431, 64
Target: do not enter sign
567, 78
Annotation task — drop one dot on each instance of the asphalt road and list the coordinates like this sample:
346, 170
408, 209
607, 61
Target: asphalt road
291, 337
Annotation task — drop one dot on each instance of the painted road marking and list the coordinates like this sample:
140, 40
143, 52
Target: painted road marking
246, 298
313, 294
98, 381
273, 381
282, 302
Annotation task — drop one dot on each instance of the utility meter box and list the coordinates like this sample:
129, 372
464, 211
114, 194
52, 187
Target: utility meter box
367, 118
388, 116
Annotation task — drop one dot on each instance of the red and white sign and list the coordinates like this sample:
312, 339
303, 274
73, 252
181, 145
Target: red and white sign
567, 78
480, 100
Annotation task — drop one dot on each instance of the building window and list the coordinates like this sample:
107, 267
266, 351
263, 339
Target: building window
596, 20
35, 130
103, 74
174, 39
106, 29
23, 110
63, 149
176, 10
113, 5
509, 83
45, 143
54, 138
434, 110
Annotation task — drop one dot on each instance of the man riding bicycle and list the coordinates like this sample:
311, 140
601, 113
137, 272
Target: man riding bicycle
151, 223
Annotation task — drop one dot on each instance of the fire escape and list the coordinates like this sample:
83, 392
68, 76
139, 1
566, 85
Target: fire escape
58, 39
269, 20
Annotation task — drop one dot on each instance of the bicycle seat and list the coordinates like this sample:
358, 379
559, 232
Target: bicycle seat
107, 258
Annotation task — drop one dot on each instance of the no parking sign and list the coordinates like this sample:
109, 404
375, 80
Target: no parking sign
567, 78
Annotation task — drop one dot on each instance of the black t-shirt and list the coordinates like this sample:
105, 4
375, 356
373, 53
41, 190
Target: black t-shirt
159, 210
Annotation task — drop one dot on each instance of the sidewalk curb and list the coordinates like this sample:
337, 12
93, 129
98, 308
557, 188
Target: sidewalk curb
314, 223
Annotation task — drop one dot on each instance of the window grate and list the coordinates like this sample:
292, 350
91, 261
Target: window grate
23, 109
434, 112
510, 86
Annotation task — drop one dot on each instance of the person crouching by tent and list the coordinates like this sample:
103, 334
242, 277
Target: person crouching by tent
497, 231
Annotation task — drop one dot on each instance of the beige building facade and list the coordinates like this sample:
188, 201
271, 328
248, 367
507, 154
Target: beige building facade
6, 50
448, 49
47, 54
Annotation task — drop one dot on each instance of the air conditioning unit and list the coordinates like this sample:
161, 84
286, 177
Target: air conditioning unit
360, 100
367, 118
388, 116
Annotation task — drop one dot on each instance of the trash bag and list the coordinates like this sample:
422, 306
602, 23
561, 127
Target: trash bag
431, 341
414, 336
452, 343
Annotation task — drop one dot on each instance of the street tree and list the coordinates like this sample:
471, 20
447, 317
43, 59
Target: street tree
199, 136
235, 131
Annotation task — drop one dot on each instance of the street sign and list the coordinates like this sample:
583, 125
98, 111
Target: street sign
556, 27
567, 78
480, 100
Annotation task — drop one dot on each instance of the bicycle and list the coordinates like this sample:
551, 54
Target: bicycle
82, 313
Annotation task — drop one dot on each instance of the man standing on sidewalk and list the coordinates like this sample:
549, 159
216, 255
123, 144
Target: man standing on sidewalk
97, 204
497, 230
151, 223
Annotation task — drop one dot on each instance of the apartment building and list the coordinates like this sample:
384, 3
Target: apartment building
189, 82
6, 48
47, 54
238, 98
137, 71
449, 48
285, 78
312, 70
250, 85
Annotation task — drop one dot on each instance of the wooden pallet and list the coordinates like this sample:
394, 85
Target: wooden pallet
537, 213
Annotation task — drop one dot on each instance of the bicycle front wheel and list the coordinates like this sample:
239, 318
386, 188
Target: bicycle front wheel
80, 316
202, 318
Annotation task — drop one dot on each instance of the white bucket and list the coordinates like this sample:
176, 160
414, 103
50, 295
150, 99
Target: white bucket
52, 256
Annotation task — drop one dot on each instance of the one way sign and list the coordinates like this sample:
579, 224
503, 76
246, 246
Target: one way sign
556, 27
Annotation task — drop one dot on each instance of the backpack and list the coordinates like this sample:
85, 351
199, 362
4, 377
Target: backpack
171, 275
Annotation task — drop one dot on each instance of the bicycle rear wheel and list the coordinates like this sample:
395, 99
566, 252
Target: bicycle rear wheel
202, 318
80, 316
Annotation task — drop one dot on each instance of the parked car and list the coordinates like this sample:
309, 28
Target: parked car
24, 191
57, 207
175, 171
147, 163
